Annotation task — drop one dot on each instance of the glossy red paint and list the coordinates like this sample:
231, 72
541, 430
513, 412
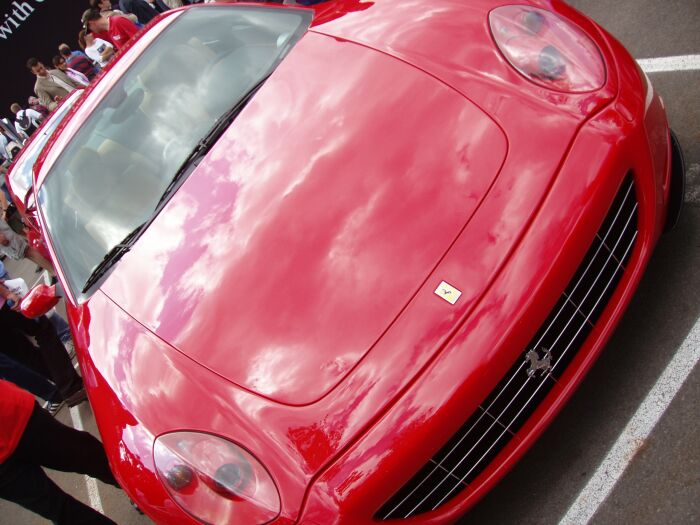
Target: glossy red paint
354, 275
284, 298
39, 301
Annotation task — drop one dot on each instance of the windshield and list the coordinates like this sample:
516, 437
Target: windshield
21, 178
111, 176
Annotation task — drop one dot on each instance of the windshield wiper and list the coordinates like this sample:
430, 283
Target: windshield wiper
113, 256
199, 151
205, 143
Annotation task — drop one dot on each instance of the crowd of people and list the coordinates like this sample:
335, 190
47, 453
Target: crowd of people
105, 30
106, 27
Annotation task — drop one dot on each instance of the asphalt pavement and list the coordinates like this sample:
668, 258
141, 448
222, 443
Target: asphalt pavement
661, 482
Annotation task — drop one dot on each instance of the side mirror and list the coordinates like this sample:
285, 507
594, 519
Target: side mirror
38, 301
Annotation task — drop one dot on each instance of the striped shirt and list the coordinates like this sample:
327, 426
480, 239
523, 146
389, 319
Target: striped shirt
81, 64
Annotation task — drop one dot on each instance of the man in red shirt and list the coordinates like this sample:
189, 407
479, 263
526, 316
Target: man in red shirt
116, 30
29, 439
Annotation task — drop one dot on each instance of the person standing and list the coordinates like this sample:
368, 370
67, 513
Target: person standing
97, 49
76, 76
5, 155
37, 384
79, 61
50, 359
30, 439
26, 120
105, 7
51, 86
34, 104
58, 322
16, 248
117, 30
145, 10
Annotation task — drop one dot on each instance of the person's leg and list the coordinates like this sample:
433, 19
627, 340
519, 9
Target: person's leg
54, 445
61, 327
28, 485
51, 349
35, 256
17, 373
17, 346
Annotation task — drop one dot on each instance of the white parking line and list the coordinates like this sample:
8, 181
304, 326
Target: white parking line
90, 483
636, 432
679, 63
92, 490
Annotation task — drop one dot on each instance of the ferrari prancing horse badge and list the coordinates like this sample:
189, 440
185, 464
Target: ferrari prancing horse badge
448, 292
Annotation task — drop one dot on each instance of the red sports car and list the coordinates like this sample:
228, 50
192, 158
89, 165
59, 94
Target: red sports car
343, 264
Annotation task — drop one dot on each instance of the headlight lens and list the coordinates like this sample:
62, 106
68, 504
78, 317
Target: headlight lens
547, 49
214, 480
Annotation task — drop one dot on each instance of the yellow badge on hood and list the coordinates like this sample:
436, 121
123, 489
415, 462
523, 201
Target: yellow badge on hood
448, 292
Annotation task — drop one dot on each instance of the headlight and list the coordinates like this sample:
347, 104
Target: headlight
547, 49
214, 480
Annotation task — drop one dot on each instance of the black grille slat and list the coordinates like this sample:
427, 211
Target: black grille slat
469, 469
516, 397
460, 465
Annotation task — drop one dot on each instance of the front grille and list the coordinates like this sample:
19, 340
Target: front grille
521, 390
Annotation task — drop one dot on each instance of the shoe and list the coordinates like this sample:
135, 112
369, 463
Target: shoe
53, 407
136, 507
76, 397
70, 347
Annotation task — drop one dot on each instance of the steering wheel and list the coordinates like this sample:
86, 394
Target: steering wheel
169, 149
127, 106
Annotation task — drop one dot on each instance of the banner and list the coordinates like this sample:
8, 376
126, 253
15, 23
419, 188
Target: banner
33, 28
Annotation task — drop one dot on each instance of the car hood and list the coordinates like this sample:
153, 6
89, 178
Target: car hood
311, 224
